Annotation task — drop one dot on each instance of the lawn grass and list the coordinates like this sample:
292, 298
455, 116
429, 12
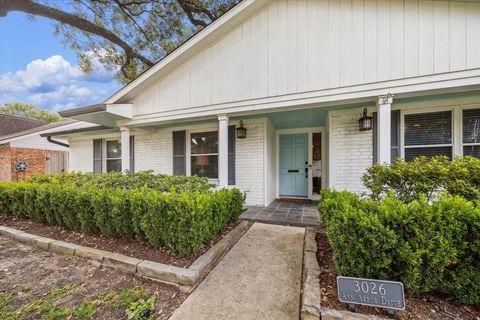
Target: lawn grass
49, 307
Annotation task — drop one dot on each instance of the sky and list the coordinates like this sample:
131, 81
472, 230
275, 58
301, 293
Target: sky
36, 68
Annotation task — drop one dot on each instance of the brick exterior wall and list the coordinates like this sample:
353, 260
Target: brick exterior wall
249, 162
154, 152
350, 151
81, 156
35, 158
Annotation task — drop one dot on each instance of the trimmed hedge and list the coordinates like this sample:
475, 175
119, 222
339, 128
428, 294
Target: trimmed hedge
142, 179
423, 176
180, 221
429, 245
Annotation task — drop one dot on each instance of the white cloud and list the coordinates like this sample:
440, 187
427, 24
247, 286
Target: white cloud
57, 84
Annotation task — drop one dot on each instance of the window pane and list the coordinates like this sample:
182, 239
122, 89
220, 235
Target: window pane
205, 166
114, 149
471, 151
114, 165
411, 153
205, 142
471, 126
428, 128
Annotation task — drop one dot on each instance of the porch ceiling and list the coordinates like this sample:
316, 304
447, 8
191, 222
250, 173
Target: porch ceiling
303, 118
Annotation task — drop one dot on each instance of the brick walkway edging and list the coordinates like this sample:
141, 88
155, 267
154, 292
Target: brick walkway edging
186, 279
311, 308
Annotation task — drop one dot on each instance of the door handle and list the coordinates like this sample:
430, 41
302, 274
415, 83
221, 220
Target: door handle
293, 171
306, 173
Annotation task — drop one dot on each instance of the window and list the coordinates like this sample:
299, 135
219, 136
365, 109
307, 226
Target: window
471, 132
114, 156
204, 154
428, 134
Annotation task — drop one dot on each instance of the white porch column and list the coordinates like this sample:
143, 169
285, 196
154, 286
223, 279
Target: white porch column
125, 140
384, 108
223, 150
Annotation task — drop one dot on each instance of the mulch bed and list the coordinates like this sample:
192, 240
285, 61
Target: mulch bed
425, 306
129, 247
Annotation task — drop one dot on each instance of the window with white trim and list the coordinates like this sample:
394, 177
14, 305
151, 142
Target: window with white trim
471, 132
114, 156
428, 134
204, 154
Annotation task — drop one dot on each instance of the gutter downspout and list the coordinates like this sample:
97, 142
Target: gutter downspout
49, 139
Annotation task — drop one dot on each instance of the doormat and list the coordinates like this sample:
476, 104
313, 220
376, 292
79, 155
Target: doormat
295, 200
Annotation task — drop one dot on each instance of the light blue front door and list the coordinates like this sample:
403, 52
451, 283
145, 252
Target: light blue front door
293, 161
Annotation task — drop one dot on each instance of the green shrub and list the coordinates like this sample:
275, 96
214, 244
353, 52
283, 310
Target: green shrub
429, 245
422, 176
180, 221
113, 180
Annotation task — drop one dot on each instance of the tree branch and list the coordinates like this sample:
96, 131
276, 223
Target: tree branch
127, 12
188, 8
31, 7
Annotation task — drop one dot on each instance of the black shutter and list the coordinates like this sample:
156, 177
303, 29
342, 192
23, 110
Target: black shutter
231, 155
179, 153
394, 134
97, 156
132, 154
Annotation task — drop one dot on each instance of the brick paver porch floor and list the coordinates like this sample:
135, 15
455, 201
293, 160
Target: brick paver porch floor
285, 213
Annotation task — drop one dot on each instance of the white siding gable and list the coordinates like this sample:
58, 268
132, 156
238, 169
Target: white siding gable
299, 46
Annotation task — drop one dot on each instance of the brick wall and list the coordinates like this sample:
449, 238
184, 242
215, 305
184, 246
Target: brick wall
81, 156
154, 152
35, 158
350, 151
249, 162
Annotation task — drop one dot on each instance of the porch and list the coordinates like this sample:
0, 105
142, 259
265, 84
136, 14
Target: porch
301, 213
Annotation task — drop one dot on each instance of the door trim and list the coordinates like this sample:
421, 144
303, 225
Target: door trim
309, 132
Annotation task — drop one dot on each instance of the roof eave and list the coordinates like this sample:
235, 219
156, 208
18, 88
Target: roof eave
73, 131
83, 110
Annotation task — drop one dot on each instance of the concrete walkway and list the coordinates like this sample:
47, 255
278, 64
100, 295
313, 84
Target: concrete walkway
259, 278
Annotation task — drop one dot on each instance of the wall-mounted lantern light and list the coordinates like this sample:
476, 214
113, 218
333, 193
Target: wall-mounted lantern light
365, 123
241, 131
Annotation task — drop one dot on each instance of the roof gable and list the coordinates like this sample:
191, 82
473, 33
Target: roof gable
198, 42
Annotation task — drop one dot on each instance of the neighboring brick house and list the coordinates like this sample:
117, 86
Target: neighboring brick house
25, 153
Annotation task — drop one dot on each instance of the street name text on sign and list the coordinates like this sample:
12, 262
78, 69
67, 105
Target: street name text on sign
370, 292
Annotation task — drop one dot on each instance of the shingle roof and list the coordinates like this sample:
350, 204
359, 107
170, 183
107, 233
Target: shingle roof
11, 124
44, 126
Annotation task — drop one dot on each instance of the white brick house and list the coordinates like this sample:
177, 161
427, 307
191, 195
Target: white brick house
298, 74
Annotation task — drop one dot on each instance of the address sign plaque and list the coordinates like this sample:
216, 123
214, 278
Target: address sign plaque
370, 292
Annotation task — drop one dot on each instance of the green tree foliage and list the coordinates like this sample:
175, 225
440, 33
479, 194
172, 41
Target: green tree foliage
28, 111
128, 36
